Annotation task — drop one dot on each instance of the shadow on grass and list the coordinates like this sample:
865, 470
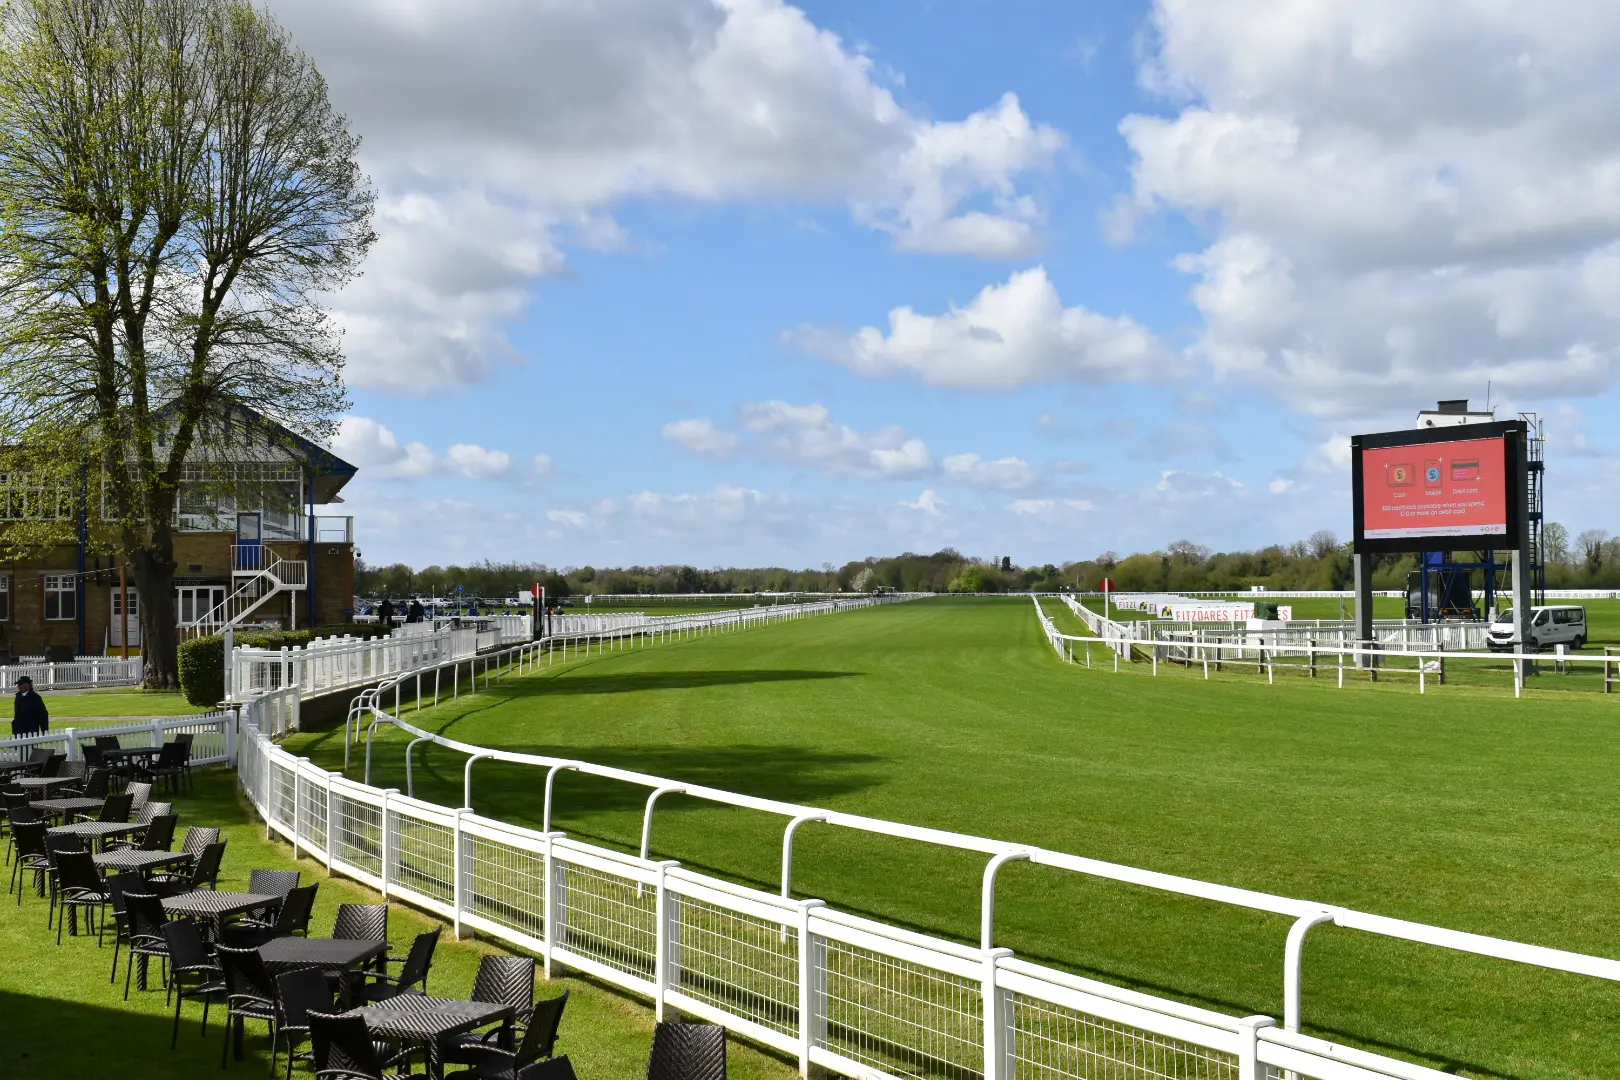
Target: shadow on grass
799, 774
630, 682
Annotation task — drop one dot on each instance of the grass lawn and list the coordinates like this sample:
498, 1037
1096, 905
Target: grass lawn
120, 702
63, 1018
1461, 808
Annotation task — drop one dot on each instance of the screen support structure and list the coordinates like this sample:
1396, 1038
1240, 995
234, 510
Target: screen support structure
1363, 564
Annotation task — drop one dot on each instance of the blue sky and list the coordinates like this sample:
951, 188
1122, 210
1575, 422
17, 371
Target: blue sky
737, 282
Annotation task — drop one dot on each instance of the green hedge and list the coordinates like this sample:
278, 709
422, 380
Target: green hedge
202, 660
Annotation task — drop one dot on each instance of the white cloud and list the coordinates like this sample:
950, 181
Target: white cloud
1009, 336
572, 518
377, 451
1409, 200
1033, 507
542, 465
807, 435
699, 436
1006, 474
502, 131
928, 503
1279, 485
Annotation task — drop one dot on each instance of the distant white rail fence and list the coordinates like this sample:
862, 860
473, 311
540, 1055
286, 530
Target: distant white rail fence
853, 995
69, 674
1400, 650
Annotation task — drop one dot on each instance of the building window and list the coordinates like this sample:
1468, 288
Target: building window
61, 597
5, 598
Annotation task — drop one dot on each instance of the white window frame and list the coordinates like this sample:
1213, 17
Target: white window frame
56, 587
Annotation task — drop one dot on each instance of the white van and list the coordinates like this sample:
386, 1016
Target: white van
1549, 626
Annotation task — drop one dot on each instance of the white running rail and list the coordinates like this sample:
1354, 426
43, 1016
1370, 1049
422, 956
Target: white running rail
848, 994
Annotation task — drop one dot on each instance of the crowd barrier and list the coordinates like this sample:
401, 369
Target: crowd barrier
837, 991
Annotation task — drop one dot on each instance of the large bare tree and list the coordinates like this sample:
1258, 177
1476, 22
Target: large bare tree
177, 195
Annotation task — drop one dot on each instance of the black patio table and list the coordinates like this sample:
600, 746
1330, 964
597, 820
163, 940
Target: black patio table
216, 908
142, 862
129, 753
338, 956
45, 783
417, 1018
99, 831
63, 807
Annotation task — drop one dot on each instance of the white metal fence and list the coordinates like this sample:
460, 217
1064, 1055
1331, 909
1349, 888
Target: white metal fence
1265, 651
82, 671
340, 663
636, 623
213, 737
856, 996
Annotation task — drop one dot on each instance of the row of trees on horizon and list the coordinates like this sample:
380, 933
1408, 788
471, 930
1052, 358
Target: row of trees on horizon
1590, 560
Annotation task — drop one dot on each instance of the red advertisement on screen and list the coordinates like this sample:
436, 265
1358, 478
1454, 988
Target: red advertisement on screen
1435, 489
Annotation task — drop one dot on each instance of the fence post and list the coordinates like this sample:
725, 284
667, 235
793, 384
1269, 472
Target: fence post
298, 806
1310, 645
458, 863
1249, 1067
995, 1018
812, 987
329, 829
384, 847
667, 939
553, 916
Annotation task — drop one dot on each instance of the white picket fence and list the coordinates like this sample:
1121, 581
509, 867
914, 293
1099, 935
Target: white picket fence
213, 737
80, 672
853, 995
636, 623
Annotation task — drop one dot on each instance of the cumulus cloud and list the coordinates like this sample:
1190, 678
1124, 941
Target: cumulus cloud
1006, 474
928, 503
807, 435
699, 436
1407, 200
500, 132
1050, 508
1009, 336
379, 454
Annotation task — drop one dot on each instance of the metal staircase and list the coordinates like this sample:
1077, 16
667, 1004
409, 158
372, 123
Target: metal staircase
256, 575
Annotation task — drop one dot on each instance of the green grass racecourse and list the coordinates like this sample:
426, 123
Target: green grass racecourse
1463, 808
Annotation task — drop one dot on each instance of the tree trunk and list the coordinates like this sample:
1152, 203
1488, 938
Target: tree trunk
154, 577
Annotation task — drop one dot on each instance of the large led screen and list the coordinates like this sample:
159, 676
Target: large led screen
1453, 488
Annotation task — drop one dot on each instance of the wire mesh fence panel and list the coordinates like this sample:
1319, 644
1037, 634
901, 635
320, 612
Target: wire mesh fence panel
421, 856
902, 1017
358, 833
284, 794
504, 883
312, 813
608, 918
746, 965
1051, 1042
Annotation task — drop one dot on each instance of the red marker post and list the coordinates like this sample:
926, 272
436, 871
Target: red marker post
1107, 589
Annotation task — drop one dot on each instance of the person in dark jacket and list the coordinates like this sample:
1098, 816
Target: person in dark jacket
417, 612
29, 716
385, 614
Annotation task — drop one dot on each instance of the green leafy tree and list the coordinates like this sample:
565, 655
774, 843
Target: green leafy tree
176, 196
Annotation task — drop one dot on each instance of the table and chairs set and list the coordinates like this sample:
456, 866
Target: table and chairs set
340, 1003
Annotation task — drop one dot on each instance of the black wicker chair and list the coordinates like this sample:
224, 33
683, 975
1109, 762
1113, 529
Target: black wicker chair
197, 838
557, 1068
146, 938
292, 918
490, 1062
688, 1052
273, 882
193, 971
80, 889
302, 992
117, 885
504, 980
116, 809
413, 972
141, 794
344, 1050
19, 812
31, 855
159, 833
250, 994
55, 845
97, 783
52, 765
204, 873
169, 766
